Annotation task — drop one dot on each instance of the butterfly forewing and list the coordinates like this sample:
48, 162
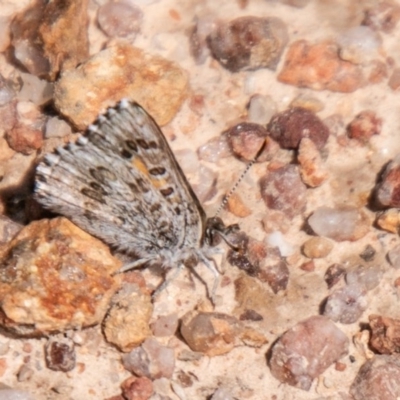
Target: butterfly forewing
121, 183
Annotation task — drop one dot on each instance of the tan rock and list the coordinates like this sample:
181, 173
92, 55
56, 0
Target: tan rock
217, 333
121, 71
312, 171
317, 247
127, 323
55, 277
237, 207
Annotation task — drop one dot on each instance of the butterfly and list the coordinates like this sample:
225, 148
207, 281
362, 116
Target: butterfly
121, 183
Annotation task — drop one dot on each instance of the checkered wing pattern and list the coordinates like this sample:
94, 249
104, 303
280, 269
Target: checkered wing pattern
120, 182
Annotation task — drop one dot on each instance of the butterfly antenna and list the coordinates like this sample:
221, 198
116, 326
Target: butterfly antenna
233, 189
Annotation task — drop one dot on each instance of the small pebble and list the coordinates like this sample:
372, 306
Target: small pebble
260, 109
237, 207
308, 266
366, 276
215, 149
346, 305
248, 43
378, 379
36, 90
388, 189
60, 354
290, 126
137, 388
210, 333
339, 224
165, 325
306, 350
364, 126
120, 19
283, 190
389, 220
204, 26
25, 373
152, 360
317, 247
246, 140
319, 67
333, 274
368, 254
307, 102
312, 171
385, 334
56, 128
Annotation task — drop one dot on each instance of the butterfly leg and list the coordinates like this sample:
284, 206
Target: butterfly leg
168, 281
132, 265
217, 276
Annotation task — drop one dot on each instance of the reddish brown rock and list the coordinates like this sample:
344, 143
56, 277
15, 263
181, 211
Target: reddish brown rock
364, 126
378, 379
246, 140
117, 72
51, 36
55, 277
60, 354
135, 388
385, 337
283, 190
308, 266
388, 190
305, 351
127, 322
289, 127
248, 43
319, 67
24, 139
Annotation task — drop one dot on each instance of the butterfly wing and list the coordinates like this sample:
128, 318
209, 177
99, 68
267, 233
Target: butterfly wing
120, 182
